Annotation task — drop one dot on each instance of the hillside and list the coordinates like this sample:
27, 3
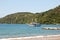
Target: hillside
51, 16
17, 18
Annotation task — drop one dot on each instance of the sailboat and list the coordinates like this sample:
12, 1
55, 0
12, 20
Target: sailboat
35, 24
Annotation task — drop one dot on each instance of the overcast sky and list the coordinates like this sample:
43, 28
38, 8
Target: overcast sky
12, 6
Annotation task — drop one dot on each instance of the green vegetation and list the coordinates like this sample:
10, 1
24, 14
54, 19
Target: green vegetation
51, 16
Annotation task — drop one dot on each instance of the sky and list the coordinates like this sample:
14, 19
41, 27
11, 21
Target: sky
12, 6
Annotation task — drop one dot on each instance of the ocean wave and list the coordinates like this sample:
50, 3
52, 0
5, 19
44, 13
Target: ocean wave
17, 38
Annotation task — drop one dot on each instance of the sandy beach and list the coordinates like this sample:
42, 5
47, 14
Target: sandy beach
49, 37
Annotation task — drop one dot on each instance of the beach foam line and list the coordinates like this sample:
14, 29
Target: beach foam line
22, 38
29, 37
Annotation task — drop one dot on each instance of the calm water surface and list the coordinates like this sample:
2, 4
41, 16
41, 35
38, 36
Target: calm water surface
21, 30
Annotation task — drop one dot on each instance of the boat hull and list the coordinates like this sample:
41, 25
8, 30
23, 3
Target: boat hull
35, 24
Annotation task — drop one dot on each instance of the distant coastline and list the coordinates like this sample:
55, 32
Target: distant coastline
51, 16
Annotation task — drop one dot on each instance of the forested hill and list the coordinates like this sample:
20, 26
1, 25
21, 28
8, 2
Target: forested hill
51, 16
17, 18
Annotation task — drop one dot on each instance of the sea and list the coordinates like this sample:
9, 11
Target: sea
25, 30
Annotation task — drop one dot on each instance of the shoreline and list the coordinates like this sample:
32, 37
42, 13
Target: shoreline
33, 37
